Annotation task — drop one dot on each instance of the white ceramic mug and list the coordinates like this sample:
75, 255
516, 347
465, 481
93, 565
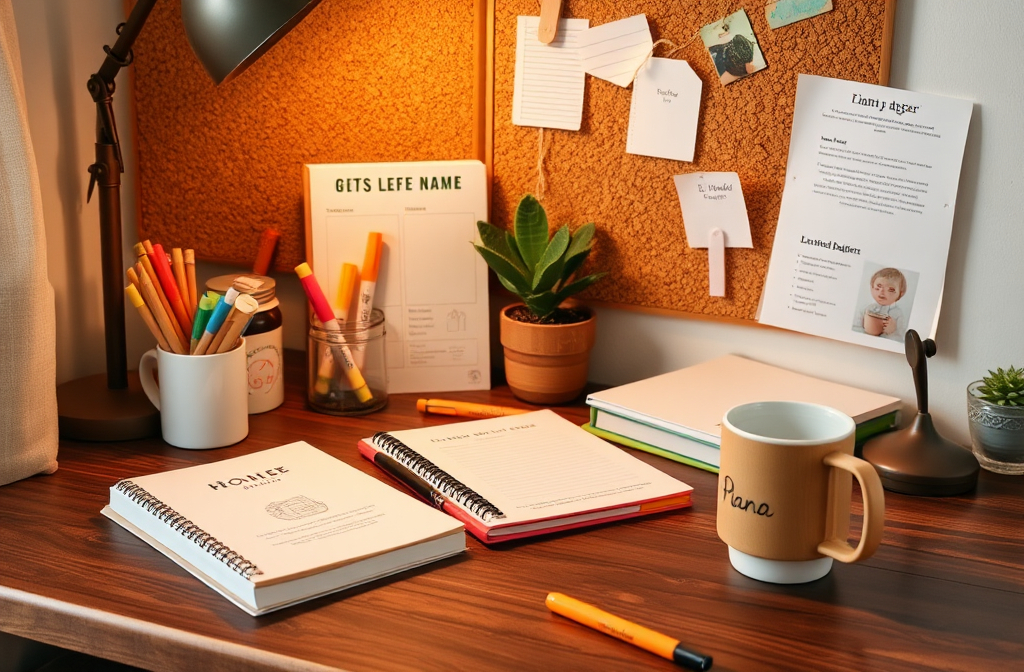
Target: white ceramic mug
784, 488
203, 399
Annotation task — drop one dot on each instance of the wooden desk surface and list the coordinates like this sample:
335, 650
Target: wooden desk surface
945, 591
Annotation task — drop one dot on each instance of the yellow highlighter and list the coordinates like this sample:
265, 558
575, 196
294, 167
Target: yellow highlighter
620, 628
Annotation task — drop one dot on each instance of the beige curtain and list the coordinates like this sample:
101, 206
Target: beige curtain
28, 387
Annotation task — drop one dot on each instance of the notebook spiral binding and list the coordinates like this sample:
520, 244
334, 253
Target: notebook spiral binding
438, 477
188, 529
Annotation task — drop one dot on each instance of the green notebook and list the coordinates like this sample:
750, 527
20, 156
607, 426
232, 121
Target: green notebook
677, 414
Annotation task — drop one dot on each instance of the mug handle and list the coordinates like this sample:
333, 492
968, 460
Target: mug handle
146, 366
874, 511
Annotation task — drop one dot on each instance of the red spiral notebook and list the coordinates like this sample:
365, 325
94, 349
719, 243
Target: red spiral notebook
519, 476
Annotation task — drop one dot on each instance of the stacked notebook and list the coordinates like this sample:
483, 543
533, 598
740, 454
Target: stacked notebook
522, 475
678, 415
280, 526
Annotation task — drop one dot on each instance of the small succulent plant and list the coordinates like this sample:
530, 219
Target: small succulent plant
1005, 388
536, 268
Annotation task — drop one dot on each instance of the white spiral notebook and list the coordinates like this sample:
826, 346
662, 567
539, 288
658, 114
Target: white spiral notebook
281, 526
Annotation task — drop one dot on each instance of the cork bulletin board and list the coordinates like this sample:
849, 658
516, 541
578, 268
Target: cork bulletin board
355, 81
404, 80
743, 128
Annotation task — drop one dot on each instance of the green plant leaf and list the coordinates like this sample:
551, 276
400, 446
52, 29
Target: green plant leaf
549, 268
581, 239
542, 305
578, 250
578, 286
508, 285
505, 269
531, 231
510, 240
496, 240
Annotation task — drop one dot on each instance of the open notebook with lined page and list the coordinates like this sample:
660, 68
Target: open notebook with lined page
521, 475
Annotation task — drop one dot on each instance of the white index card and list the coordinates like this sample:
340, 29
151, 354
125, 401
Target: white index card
664, 110
548, 89
615, 50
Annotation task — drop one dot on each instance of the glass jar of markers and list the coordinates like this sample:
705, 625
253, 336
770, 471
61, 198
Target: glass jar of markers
347, 372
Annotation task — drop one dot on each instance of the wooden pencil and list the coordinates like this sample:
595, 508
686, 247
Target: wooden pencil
132, 292
178, 266
147, 264
165, 323
157, 298
133, 278
243, 310
190, 281
165, 277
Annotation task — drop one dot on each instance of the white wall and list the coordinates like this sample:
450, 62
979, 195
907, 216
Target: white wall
941, 46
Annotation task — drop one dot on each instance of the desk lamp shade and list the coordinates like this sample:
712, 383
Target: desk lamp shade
229, 35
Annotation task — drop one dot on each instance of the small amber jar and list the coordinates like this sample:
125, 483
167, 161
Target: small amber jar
347, 371
263, 344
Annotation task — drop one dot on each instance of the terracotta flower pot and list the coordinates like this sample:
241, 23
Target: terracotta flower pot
546, 363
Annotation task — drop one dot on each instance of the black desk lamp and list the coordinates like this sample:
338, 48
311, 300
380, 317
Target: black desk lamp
917, 460
227, 36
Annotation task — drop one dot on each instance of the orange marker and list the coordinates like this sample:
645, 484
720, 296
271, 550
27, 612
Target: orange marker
465, 409
268, 241
368, 279
620, 628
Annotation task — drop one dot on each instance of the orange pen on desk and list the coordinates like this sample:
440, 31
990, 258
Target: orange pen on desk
620, 628
465, 409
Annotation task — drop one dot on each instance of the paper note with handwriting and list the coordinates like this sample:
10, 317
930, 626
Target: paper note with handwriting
711, 200
615, 50
548, 89
664, 110
715, 217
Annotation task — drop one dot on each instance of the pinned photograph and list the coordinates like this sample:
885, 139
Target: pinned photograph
733, 47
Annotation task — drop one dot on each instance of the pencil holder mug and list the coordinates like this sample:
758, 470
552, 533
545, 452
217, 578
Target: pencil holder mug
784, 488
203, 399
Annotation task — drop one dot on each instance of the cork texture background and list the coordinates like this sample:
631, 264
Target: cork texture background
355, 81
743, 127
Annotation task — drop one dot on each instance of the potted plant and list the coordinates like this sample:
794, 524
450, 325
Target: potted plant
547, 344
995, 410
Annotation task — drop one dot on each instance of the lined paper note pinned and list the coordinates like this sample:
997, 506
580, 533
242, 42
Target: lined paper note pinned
615, 50
548, 89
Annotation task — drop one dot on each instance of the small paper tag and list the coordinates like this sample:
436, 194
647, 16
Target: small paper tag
713, 200
615, 50
785, 12
664, 110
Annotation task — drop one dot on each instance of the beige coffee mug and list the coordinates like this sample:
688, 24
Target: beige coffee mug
784, 489
203, 399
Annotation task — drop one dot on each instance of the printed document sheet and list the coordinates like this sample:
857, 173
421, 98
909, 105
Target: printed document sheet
432, 285
867, 212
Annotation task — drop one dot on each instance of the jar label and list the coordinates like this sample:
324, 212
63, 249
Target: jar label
265, 369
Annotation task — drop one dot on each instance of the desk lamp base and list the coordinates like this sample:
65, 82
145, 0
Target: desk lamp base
919, 461
88, 410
